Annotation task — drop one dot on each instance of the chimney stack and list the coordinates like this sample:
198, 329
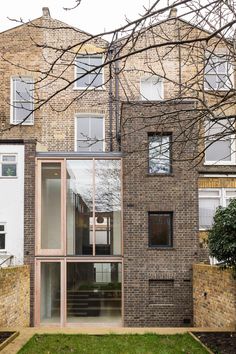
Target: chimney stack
173, 12
46, 12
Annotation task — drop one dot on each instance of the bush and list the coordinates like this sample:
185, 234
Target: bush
222, 236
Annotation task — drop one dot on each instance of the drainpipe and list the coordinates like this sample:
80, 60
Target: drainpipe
110, 101
117, 102
180, 59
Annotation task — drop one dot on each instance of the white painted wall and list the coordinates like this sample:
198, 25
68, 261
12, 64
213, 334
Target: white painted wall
12, 205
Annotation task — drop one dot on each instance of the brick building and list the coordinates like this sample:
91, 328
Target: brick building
110, 192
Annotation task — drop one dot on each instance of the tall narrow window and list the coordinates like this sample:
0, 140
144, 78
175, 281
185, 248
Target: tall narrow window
89, 72
2, 236
218, 72
160, 229
22, 100
151, 88
90, 133
159, 154
220, 143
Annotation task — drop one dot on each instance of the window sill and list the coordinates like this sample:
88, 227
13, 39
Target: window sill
89, 89
215, 163
218, 90
8, 177
159, 174
22, 124
161, 305
161, 248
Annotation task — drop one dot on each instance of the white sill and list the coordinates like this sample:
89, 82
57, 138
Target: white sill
20, 124
219, 163
75, 88
218, 90
8, 177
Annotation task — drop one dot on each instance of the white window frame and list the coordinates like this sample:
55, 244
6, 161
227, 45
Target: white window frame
3, 233
8, 163
222, 198
143, 78
230, 74
232, 160
89, 115
30, 119
90, 87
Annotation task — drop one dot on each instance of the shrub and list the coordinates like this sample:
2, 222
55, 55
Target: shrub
222, 236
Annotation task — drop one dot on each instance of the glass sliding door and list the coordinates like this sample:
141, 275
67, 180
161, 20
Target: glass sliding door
50, 292
94, 292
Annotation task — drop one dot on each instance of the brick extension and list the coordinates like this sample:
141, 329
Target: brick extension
149, 270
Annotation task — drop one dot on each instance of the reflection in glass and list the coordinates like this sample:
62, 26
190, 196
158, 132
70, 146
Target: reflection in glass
93, 291
107, 207
50, 302
80, 207
93, 207
159, 153
51, 206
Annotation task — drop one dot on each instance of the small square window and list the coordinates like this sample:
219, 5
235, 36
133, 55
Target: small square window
159, 154
160, 229
2, 237
151, 88
90, 133
8, 166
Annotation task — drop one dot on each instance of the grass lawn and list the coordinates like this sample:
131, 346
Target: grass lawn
112, 344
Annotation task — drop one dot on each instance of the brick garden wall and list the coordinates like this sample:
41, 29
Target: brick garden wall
14, 296
214, 297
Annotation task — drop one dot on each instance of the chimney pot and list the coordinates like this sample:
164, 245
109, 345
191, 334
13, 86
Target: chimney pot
173, 12
46, 12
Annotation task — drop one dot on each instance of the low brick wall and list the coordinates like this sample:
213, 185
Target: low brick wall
14, 296
214, 297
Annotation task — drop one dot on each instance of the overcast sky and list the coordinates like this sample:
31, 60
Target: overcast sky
92, 16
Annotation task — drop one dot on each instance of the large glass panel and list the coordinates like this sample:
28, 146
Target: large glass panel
79, 207
94, 292
51, 206
50, 293
107, 207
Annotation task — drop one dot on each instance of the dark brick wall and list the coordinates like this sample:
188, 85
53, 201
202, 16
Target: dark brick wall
146, 267
29, 216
